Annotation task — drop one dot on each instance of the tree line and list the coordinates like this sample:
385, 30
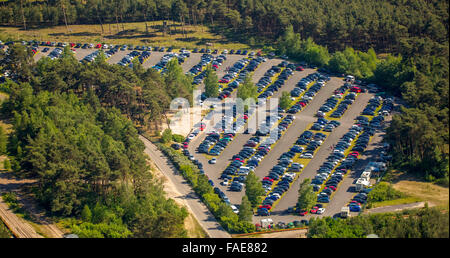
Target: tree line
418, 223
381, 25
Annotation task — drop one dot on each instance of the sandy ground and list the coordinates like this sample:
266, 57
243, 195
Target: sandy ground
190, 223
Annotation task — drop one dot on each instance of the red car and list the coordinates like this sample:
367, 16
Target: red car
98, 46
224, 81
245, 117
299, 68
215, 66
267, 179
355, 89
202, 126
302, 213
239, 159
72, 44
355, 153
267, 206
355, 202
314, 210
332, 188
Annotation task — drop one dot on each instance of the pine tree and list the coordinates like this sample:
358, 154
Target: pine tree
245, 210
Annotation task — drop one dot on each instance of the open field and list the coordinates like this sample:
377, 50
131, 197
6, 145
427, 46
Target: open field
128, 33
425, 191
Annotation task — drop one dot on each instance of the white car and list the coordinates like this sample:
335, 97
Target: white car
224, 182
320, 211
235, 209
306, 156
213, 161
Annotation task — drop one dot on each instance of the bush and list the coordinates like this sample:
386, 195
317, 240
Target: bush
7, 164
166, 136
384, 192
442, 181
177, 138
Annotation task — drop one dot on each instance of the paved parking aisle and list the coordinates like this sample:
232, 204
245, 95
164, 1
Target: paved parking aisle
114, 59
214, 171
41, 54
192, 60
81, 53
154, 58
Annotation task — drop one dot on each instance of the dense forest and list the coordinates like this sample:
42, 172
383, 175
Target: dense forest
73, 132
419, 223
343, 36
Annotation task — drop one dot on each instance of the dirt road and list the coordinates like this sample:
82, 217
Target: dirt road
20, 227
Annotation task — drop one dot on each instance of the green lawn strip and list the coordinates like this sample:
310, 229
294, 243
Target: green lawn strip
399, 201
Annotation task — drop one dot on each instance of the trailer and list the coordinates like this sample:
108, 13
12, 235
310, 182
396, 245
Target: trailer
362, 183
345, 212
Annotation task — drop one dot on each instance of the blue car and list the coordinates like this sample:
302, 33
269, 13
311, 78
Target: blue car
355, 208
211, 182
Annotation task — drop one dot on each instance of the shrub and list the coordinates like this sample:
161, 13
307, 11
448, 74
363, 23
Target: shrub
177, 138
166, 136
384, 192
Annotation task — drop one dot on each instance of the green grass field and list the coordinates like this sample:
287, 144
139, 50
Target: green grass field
128, 33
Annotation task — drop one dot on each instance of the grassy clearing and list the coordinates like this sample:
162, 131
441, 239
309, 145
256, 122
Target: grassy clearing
132, 33
426, 191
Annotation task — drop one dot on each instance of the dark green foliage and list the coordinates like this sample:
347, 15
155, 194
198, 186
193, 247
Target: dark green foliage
4, 231
7, 164
86, 214
254, 189
306, 196
245, 210
285, 100
89, 157
3, 141
177, 138
417, 223
166, 136
211, 83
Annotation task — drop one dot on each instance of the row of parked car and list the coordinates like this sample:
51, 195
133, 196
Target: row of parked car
330, 171
362, 132
161, 65
56, 53
283, 173
254, 150
301, 86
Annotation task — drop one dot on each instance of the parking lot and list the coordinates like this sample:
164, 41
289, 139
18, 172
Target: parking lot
302, 122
